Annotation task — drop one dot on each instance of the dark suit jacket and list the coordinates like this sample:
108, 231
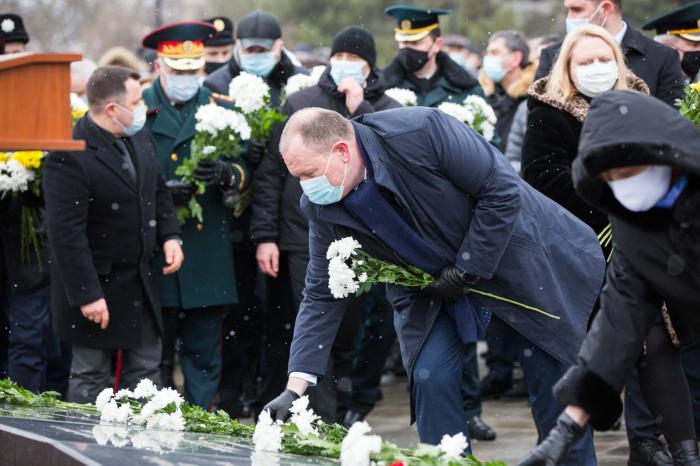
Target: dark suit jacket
659, 66
103, 232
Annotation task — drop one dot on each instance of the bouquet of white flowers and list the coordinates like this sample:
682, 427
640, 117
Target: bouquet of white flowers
251, 95
219, 133
21, 172
353, 271
475, 112
405, 97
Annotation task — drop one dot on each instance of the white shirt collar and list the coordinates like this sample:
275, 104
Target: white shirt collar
621, 35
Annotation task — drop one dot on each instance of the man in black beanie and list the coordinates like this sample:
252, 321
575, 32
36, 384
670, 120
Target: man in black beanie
352, 85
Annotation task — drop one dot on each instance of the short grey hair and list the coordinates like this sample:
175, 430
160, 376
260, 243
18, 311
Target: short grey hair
317, 127
515, 42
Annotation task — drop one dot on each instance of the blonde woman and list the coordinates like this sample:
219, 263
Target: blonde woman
591, 63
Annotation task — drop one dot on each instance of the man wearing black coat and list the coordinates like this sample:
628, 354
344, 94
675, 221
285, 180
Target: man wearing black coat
352, 85
647, 178
108, 210
657, 65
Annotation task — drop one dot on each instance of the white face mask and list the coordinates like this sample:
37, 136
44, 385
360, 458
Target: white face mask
644, 190
596, 78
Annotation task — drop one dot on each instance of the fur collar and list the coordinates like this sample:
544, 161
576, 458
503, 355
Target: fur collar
577, 105
517, 89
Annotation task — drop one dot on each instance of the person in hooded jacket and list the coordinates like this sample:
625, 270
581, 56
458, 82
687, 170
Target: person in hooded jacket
590, 62
646, 177
352, 85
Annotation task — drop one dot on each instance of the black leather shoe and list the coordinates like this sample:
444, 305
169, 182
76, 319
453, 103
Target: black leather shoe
685, 453
649, 452
352, 417
493, 388
479, 430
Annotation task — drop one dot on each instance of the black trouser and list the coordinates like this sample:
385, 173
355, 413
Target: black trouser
241, 335
284, 296
691, 364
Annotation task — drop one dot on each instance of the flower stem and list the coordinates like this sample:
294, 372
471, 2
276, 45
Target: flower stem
510, 301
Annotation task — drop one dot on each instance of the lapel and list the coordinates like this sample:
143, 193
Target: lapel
375, 150
106, 153
633, 40
333, 213
187, 130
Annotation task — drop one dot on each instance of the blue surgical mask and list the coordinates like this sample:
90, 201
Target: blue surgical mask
493, 68
320, 191
573, 24
138, 115
459, 59
259, 64
341, 69
182, 88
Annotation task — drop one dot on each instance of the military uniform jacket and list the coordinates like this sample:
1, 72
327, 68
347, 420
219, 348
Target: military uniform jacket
207, 276
451, 83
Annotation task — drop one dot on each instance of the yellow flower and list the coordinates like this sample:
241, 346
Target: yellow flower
695, 87
31, 160
78, 113
3, 157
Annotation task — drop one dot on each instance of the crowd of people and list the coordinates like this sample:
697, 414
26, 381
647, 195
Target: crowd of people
586, 135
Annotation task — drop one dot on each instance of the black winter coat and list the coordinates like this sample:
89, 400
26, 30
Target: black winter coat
658, 66
657, 252
16, 275
277, 216
551, 145
103, 232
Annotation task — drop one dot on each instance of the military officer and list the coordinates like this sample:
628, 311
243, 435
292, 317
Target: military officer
194, 299
421, 65
218, 50
425, 69
680, 30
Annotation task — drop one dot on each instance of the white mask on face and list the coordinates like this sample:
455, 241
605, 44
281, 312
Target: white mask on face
644, 190
596, 78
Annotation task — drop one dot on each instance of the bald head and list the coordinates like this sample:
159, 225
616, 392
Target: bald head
317, 128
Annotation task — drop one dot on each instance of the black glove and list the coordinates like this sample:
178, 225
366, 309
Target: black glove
256, 152
554, 448
451, 284
181, 192
214, 172
280, 406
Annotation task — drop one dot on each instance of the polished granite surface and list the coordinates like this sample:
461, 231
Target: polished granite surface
89, 442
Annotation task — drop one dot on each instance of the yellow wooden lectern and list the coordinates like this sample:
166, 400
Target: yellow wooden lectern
35, 102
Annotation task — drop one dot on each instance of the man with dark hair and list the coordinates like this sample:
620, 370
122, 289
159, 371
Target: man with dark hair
108, 211
13, 32
421, 66
656, 64
218, 49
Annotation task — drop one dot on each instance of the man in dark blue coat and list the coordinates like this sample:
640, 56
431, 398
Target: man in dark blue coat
500, 236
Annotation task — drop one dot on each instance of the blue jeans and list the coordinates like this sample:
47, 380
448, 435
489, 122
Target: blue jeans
437, 376
31, 342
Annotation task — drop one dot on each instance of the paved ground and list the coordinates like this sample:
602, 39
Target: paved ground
511, 420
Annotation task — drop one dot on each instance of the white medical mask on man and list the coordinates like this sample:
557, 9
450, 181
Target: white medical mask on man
596, 78
493, 68
182, 87
342, 69
644, 190
138, 119
320, 191
572, 24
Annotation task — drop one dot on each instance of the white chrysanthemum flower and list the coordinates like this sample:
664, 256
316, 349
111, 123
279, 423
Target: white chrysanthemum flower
173, 421
362, 278
248, 92
124, 393
488, 131
357, 447
460, 112
165, 397
14, 177
303, 417
478, 105
206, 150
299, 82
145, 389
267, 435
405, 97
343, 248
103, 398
124, 413
341, 279
453, 446
110, 412
316, 72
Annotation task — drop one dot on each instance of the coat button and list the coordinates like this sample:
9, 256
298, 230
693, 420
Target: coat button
173, 157
200, 227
